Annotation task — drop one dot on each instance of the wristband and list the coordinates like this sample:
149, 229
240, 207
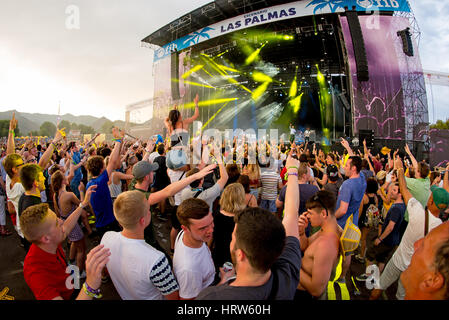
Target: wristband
293, 167
117, 140
379, 239
292, 174
92, 292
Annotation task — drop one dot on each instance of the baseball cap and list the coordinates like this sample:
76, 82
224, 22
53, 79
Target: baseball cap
142, 168
381, 175
440, 196
332, 171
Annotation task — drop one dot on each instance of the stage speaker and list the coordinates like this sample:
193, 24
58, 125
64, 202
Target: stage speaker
175, 75
407, 44
367, 135
359, 45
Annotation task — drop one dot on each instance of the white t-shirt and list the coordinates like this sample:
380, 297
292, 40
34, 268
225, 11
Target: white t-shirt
14, 195
414, 232
292, 130
175, 175
138, 271
194, 268
153, 156
208, 195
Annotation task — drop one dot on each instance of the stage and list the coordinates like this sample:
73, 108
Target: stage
335, 67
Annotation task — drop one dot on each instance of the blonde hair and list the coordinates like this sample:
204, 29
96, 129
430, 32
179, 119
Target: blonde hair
129, 208
253, 171
32, 221
233, 198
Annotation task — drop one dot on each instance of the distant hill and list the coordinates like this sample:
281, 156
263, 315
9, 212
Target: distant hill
28, 122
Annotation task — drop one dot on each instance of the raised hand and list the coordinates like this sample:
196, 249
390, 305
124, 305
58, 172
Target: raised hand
197, 98
96, 260
13, 122
303, 222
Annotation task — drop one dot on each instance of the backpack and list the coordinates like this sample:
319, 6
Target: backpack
373, 216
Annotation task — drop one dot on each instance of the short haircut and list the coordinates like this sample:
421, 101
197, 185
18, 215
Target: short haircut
10, 162
128, 208
233, 198
441, 264
105, 152
303, 158
356, 161
29, 173
94, 165
161, 148
31, 221
191, 172
423, 169
260, 235
324, 200
244, 181
302, 170
192, 208
91, 151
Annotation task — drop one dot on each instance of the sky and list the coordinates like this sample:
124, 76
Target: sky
98, 66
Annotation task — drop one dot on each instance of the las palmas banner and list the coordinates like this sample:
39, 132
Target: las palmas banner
278, 13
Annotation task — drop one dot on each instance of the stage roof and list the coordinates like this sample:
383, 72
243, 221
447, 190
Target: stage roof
206, 15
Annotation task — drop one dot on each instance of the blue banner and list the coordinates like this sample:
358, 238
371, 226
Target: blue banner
278, 13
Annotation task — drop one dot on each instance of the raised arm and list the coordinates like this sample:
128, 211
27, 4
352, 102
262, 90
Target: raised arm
115, 155
406, 195
73, 218
197, 111
49, 152
290, 220
11, 146
412, 158
345, 144
177, 186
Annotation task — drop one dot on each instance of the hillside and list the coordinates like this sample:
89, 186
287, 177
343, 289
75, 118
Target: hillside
32, 121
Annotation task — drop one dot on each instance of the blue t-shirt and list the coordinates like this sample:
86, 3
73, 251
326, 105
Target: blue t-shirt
395, 214
78, 175
351, 191
101, 200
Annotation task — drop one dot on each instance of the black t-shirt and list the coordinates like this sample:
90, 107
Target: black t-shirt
26, 201
395, 214
223, 228
161, 178
286, 268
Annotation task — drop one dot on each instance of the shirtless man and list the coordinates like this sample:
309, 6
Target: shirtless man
321, 249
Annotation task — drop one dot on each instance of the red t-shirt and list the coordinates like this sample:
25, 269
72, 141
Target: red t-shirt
45, 273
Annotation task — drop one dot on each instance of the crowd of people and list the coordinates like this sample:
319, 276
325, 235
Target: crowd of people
270, 229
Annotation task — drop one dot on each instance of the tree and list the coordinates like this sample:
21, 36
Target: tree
47, 129
4, 129
441, 125
86, 129
65, 124
107, 126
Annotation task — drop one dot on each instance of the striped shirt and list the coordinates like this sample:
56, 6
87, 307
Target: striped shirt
138, 271
270, 180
